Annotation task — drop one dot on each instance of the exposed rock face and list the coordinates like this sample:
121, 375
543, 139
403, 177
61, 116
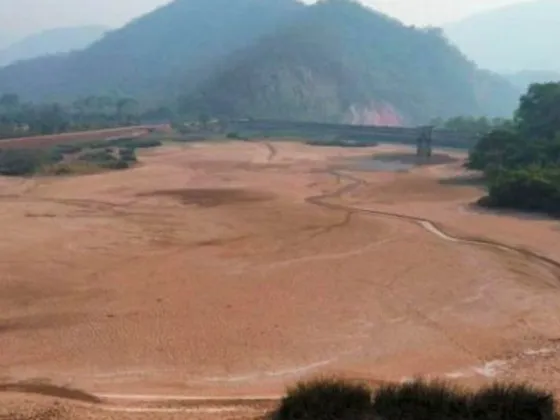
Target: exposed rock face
375, 114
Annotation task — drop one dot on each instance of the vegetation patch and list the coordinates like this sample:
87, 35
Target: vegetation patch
340, 143
333, 399
521, 163
21, 162
74, 158
235, 136
325, 399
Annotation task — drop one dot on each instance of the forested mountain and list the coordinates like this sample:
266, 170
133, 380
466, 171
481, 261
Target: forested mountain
154, 56
51, 42
332, 61
340, 61
523, 36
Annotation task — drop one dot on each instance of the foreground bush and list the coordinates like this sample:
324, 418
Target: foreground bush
325, 400
420, 401
339, 400
512, 402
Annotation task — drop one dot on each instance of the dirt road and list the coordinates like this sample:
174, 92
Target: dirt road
231, 270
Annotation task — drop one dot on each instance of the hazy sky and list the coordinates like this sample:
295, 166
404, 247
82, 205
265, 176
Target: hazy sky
22, 17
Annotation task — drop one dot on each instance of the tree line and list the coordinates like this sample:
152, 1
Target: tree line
477, 126
521, 160
19, 118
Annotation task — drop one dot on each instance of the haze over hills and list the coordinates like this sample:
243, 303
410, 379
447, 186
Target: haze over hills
334, 61
153, 56
340, 61
52, 42
524, 36
524, 78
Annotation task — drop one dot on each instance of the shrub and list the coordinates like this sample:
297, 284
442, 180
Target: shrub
512, 402
127, 155
116, 164
186, 138
18, 162
530, 189
97, 156
420, 401
95, 144
236, 136
67, 149
61, 170
339, 400
325, 399
135, 143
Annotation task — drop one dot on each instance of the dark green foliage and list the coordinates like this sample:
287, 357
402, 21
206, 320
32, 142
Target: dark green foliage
538, 115
236, 136
325, 399
494, 149
531, 189
420, 401
475, 126
18, 119
116, 164
341, 143
522, 164
108, 160
135, 143
98, 157
18, 162
340, 400
68, 148
94, 144
127, 155
512, 402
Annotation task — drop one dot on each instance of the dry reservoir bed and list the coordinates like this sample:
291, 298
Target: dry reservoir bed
237, 268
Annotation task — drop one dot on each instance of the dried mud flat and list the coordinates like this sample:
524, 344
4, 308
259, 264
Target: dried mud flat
203, 281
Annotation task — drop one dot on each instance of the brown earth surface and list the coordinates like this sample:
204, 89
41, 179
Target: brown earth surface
203, 281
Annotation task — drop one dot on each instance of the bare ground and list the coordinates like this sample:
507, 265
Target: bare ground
232, 270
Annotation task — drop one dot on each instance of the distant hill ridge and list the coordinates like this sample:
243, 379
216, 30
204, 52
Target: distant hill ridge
519, 37
52, 42
335, 61
342, 62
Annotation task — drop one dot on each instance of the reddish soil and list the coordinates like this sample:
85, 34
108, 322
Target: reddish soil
231, 270
54, 139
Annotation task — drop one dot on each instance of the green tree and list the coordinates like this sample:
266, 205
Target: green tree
532, 189
538, 115
492, 149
